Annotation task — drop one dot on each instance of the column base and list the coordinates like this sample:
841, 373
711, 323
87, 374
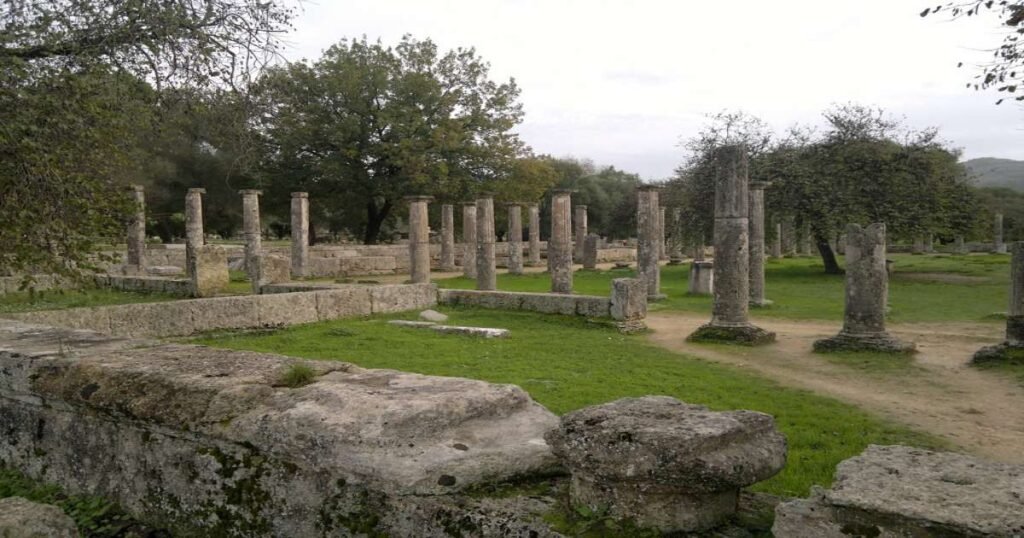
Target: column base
744, 335
879, 342
631, 326
763, 303
1001, 353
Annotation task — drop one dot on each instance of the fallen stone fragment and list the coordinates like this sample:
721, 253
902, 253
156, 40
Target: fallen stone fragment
471, 331
164, 270
409, 323
22, 518
433, 316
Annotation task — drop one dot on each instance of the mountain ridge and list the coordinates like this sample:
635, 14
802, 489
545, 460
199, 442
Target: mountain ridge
996, 172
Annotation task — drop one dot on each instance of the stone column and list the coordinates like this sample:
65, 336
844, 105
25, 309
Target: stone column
675, 251
515, 239
777, 241
447, 238
252, 232
580, 231
806, 241
534, 257
757, 243
590, 242
300, 235
559, 242
729, 313
1000, 246
1013, 347
469, 239
419, 239
648, 240
486, 275
918, 245
136, 260
698, 249
958, 245
867, 294
929, 243
194, 237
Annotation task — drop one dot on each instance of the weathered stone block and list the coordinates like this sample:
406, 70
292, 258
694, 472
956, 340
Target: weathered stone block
402, 297
593, 307
284, 309
210, 271
348, 302
702, 278
225, 313
22, 518
273, 269
629, 299
172, 318
549, 303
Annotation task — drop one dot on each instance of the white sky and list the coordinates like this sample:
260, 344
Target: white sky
621, 82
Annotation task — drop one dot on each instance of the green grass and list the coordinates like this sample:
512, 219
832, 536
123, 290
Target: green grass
801, 290
60, 299
567, 363
1012, 367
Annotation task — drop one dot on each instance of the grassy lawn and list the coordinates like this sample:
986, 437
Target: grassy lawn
801, 290
567, 363
60, 299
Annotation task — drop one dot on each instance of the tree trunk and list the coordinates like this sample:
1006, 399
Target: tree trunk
827, 256
374, 220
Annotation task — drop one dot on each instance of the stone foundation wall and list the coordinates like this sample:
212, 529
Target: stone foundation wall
183, 318
548, 303
150, 284
12, 284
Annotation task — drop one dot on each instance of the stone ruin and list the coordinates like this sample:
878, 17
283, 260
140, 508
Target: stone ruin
1013, 347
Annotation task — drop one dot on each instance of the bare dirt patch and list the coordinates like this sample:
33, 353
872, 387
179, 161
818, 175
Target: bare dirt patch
937, 392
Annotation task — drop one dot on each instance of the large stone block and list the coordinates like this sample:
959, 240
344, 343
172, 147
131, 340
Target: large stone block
210, 274
273, 269
593, 307
498, 300
347, 302
550, 303
225, 313
152, 320
284, 309
22, 518
402, 297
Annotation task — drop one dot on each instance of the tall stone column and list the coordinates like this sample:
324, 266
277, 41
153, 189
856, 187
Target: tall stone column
253, 233
757, 253
590, 243
806, 241
419, 239
729, 313
300, 234
580, 232
1013, 347
194, 237
560, 242
447, 238
777, 240
662, 235
469, 239
136, 259
867, 293
648, 240
486, 271
675, 238
515, 238
1000, 246
534, 256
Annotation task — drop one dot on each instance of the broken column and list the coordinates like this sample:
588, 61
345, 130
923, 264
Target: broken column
648, 239
757, 253
929, 243
419, 239
560, 242
867, 294
806, 241
777, 241
1000, 246
534, 257
469, 239
515, 239
193, 226
486, 274
253, 234
136, 260
590, 242
629, 304
665, 464
209, 275
300, 234
447, 238
675, 251
580, 227
1013, 346
729, 314
702, 278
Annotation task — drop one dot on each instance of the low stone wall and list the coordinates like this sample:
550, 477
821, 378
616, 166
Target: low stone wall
12, 284
150, 284
210, 442
616, 254
183, 318
592, 306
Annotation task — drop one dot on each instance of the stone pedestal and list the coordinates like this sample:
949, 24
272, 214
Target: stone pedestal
136, 259
648, 235
193, 227
486, 272
209, 274
1000, 246
271, 269
515, 239
533, 260
729, 313
757, 253
590, 242
675, 238
867, 294
253, 234
580, 232
702, 278
665, 464
469, 239
447, 238
300, 234
698, 249
419, 239
560, 242
1012, 349
629, 304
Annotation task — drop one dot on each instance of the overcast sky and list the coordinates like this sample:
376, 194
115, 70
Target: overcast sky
622, 82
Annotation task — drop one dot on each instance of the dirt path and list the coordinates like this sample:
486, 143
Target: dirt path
939, 394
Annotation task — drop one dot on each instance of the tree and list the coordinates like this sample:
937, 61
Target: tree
1005, 71
366, 124
75, 79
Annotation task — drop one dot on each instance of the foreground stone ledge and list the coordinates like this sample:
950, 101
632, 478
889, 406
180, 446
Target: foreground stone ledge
205, 441
903, 491
744, 335
21, 518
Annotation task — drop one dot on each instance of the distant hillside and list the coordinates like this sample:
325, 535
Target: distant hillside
992, 172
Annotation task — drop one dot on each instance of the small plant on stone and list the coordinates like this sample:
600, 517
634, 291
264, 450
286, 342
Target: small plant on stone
297, 375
